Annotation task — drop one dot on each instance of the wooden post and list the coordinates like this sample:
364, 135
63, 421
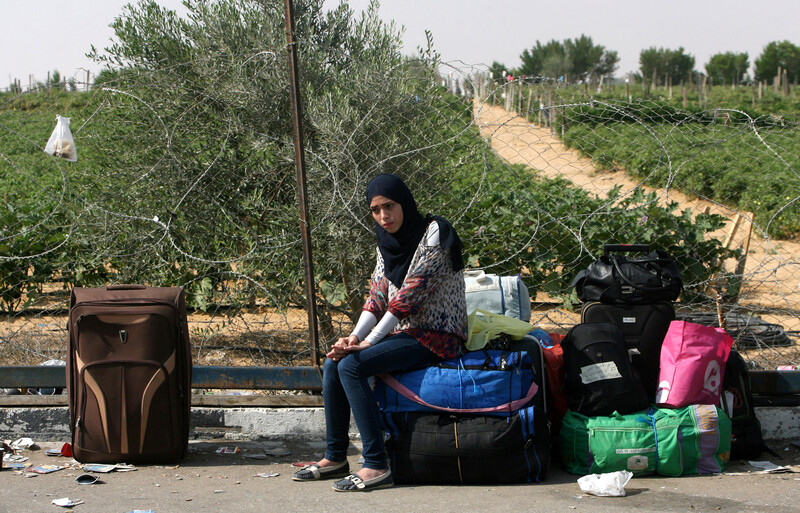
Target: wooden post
785, 83
528, 108
685, 96
705, 92
732, 232
742, 263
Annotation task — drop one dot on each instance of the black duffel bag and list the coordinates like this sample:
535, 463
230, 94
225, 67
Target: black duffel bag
443, 448
616, 278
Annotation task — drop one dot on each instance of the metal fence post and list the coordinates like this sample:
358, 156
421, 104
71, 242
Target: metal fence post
300, 166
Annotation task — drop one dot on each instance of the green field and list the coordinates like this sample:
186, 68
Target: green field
86, 223
725, 145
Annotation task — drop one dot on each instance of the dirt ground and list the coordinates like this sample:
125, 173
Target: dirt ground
772, 267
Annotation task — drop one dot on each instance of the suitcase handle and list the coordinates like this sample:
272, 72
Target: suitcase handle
626, 248
479, 275
124, 286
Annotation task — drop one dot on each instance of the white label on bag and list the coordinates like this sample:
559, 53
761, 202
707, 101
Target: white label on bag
712, 381
639, 450
629, 320
599, 372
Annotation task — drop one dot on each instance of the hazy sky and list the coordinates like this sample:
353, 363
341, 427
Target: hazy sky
37, 36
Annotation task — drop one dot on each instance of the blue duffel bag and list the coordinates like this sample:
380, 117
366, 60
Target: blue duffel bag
490, 381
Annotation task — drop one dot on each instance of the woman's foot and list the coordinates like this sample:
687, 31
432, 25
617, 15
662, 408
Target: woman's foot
366, 479
323, 469
368, 474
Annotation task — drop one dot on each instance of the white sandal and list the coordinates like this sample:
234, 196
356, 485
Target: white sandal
314, 472
353, 483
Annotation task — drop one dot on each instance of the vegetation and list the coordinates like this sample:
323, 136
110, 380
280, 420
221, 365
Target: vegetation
737, 146
661, 66
572, 59
730, 159
777, 55
186, 171
727, 68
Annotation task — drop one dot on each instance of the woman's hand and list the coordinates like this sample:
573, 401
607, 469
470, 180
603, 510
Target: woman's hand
346, 345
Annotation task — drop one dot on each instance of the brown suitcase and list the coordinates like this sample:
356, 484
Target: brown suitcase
129, 374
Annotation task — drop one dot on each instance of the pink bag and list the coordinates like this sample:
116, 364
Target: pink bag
693, 360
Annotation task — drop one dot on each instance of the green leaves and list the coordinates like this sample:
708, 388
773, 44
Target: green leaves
741, 162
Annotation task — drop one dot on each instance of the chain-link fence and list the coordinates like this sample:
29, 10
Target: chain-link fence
185, 176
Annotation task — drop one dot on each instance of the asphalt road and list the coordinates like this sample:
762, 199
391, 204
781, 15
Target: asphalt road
210, 482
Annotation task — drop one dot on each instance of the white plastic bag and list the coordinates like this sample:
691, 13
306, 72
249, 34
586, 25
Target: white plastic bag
61, 143
611, 484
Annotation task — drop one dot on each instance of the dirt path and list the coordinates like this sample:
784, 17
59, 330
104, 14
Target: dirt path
773, 267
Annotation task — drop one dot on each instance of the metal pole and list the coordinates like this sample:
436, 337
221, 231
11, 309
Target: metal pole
300, 166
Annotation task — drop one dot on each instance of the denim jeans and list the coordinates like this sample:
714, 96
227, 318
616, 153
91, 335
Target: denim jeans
345, 387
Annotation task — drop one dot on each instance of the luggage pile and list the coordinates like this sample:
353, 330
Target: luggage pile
479, 418
643, 390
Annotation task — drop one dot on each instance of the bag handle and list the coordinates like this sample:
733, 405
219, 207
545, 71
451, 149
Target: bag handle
125, 286
626, 248
478, 274
631, 283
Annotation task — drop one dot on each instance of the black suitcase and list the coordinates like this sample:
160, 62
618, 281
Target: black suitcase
644, 328
129, 374
448, 448
598, 377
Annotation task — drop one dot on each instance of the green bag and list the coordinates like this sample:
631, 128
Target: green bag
691, 440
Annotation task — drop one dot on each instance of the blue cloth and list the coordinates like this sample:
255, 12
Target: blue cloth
345, 387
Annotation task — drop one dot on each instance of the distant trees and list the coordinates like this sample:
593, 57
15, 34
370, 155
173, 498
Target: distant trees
727, 68
777, 54
578, 59
660, 66
581, 59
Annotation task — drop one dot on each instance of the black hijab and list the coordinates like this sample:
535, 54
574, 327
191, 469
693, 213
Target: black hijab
397, 249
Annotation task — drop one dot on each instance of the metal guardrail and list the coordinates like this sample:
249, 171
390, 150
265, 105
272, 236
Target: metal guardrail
206, 377
770, 388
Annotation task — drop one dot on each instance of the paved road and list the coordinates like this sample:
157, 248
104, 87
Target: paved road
209, 482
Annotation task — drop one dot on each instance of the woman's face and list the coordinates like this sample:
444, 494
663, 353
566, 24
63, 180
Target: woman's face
387, 213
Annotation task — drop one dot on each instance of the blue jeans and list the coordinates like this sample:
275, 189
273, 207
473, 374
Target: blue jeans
345, 387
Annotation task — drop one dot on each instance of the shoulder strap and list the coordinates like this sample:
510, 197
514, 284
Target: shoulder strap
507, 407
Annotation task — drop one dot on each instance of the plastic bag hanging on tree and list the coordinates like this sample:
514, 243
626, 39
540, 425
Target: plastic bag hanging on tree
61, 144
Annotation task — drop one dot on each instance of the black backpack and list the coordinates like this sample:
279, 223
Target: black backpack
737, 401
598, 377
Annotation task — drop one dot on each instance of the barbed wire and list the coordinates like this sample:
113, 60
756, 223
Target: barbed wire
193, 185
